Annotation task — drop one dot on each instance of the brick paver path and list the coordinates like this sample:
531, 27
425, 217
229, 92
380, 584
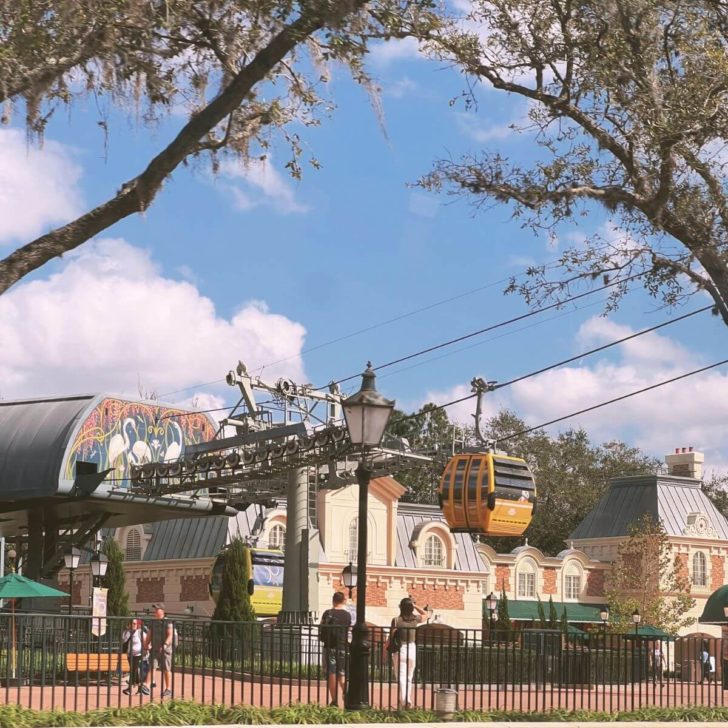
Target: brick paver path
272, 692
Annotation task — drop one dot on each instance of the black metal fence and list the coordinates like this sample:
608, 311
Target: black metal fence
58, 661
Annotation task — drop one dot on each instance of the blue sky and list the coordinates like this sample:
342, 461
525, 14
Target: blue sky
253, 265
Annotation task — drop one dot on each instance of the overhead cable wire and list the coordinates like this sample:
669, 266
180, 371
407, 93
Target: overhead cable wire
492, 327
493, 338
614, 400
583, 354
366, 329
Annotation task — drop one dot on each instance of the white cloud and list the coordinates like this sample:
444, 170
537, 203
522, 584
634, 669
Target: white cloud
476, 129
263, 185
38, 186
109, 320
690, 412
388, 52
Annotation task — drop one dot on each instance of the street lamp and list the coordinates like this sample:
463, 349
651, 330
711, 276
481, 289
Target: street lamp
99, 563
71, 558
491, 602
366, 413
636, 619
604, 615
348, 577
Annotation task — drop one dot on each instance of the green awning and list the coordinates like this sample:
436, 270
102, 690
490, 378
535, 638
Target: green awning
647, 632
713, 612
525, 611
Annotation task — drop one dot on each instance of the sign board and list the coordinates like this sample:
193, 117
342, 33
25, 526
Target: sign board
99, 601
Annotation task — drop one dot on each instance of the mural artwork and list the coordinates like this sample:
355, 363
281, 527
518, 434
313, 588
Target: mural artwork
119, 433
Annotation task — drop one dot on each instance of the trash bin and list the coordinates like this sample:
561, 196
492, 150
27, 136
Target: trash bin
446, 703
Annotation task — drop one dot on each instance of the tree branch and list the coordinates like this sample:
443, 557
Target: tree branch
87, 48
137, 194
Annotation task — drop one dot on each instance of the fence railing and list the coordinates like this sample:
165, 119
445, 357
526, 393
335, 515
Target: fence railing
57, 661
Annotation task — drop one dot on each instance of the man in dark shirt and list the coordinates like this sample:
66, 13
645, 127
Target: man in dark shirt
334, 633
160, 645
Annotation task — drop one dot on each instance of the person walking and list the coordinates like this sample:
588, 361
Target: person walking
410, 615
161, 643
706, 662
333, 634
133, 642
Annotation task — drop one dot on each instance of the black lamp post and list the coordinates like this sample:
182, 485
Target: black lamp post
366, 413
99, 563
71, 558
636, 619
348, 577
604, 615
491, 603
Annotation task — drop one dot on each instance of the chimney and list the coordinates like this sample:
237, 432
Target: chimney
686, 463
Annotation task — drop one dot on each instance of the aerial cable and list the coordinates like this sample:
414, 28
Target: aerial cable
561, 363
492, 327
366, 329
616, 399
494, 338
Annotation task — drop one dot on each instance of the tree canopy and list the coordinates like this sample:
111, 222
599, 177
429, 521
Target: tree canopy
233, 602
626, 112
239, 70
117, 598
648, 577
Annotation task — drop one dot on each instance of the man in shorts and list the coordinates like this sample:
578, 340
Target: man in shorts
160, 645
334, 633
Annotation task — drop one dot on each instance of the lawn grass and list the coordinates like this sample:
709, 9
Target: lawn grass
177, 712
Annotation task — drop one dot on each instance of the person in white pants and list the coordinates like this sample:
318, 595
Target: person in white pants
410, 615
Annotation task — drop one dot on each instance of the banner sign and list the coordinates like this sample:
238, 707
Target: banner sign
98, 611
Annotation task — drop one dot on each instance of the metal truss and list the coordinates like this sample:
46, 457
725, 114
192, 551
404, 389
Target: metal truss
252, 466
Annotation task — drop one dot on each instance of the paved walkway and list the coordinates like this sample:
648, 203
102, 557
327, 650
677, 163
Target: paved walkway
274, 692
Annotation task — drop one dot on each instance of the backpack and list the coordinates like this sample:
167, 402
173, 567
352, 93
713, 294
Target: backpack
394, 643
328, 635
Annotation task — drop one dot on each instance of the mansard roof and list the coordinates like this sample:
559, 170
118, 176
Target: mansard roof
679, 503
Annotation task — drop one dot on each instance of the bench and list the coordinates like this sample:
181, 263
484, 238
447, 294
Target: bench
97, 662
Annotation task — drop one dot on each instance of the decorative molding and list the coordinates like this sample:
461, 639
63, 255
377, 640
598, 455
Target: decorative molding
698, 524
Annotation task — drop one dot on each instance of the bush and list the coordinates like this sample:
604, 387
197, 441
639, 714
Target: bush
178, 712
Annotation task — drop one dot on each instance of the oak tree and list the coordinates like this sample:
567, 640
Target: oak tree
235, 71
627, 114
647, 576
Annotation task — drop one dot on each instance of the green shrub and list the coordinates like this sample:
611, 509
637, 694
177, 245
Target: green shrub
177, 712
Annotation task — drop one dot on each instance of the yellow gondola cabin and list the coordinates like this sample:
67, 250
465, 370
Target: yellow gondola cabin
487, 493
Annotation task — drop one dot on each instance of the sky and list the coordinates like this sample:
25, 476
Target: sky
251, 265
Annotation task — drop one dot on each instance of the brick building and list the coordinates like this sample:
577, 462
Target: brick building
411, 551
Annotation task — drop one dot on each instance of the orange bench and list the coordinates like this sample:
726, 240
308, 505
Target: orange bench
97, 662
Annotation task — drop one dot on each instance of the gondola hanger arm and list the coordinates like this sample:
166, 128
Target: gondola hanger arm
480, 386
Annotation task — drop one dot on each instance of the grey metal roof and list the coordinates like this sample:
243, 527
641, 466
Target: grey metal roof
665, 497
411, 517
33, 438
193, 538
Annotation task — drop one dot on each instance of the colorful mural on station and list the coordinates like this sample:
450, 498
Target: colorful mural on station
120, 433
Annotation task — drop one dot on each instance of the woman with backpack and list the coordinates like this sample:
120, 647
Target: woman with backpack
133, 641
402, 644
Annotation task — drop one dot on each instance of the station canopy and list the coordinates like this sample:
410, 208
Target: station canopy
64, 462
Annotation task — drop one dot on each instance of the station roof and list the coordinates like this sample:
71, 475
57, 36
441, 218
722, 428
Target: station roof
34, 436
34, 442
669, 498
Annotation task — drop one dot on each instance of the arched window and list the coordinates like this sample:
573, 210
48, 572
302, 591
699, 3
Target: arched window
133, 551
277, 537
699, 570
572, 582
351, 552
434, 554
527, 579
